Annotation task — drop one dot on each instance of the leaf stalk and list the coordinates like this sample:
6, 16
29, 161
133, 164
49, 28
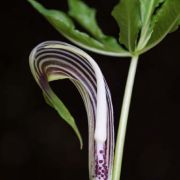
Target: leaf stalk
123, 119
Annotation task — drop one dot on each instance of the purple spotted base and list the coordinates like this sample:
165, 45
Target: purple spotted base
101, 168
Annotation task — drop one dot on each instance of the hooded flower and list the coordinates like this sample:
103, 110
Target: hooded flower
54, 60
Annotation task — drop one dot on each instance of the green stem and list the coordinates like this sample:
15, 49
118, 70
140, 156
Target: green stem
123, 119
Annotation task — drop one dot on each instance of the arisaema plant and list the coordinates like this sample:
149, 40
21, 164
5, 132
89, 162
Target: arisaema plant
143, 24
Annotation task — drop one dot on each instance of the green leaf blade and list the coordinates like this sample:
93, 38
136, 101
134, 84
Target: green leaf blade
127, 15
85, 16
166, 21
148, 9
63, 23
176, 26
55, 102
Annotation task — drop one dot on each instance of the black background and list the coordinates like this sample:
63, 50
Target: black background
36, 144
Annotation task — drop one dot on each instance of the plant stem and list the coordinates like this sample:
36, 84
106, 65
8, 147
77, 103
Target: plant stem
123, 119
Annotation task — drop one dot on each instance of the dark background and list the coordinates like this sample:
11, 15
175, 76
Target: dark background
36, 144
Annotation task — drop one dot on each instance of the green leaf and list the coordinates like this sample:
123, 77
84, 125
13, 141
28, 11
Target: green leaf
86, 17
55, 102
64, 24
127, 15
148, 8
47, 100
165, 21
176, 26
